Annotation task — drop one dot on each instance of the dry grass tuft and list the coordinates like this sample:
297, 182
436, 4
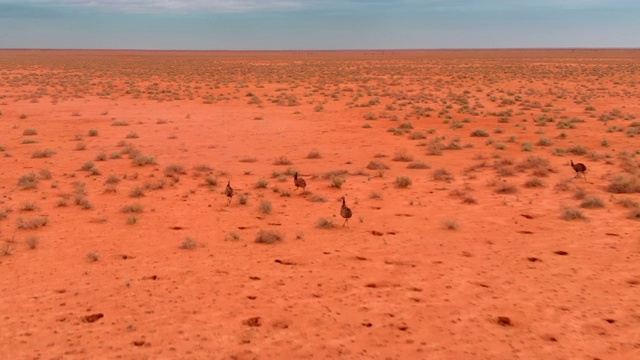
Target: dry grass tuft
268, 237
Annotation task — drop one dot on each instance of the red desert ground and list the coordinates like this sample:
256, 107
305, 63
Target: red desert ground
471, 236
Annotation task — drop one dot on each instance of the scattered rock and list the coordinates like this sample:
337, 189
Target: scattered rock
281, 324
150, 277
92, 318
612, 234
561, 252
127, 257
610, 321
533, 259
549, 337
285, 262
376, 233
138, 342
526, 216
526, 232
367, 324
361, 258
254, 278
504, 321
176, 228
403, 327
466, 254
251, 297
253, 321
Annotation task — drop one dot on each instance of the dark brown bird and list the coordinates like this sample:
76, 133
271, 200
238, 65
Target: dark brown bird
345, 212
229, 192
579, 168
299, 182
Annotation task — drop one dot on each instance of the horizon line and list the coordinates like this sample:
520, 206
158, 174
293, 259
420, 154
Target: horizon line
326, 50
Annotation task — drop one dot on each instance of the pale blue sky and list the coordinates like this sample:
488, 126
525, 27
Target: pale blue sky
318, 24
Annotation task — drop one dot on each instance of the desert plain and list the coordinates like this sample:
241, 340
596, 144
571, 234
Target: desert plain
472, 237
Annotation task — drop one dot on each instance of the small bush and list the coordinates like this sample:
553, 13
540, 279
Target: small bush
45, 174
142, 160
318, 198
534, 183
28, 181
30, 132
188, 244
480, 133
265, 206
377, 165
174, 170
113, 179
544, 142
93, 256
417, 136
442, 175
282, 160
137, 192
38, 154
87, 166
93, 132
261, 184
32, 242
32, 223
401, 155
628, 203
450, 224
505, 188
336, 182
314, 154
468, 199
634, 214
211, 181
135, 208
403, 182
29, 206
243, 200
569, 213
268, 237
418, 165
624, 184
325, 223
591, 202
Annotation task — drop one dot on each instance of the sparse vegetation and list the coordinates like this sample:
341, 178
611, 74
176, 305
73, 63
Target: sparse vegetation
442, 174
403, 182
325, 223
268, 237
570, 213
266, 207
188, 243
450, 224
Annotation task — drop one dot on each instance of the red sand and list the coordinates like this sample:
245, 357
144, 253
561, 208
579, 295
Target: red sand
422, 272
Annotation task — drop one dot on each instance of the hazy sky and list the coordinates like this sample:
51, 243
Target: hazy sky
318, 24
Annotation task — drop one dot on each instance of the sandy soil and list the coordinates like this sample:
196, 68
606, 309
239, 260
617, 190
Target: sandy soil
112, 176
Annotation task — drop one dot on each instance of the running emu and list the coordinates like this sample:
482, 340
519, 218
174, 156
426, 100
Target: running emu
229, 192
299, 182
345, 212
579, 168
